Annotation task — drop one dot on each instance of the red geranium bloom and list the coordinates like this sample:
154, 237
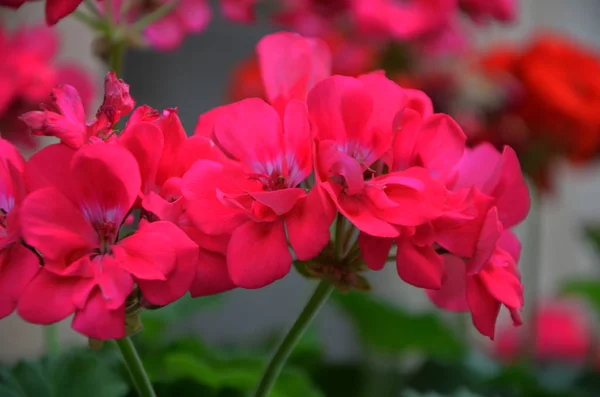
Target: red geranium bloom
73, 218
18, 264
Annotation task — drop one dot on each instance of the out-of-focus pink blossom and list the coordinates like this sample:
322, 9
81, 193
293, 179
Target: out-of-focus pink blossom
55, 9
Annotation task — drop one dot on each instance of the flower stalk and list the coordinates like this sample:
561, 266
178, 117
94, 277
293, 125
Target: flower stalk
288, 343
135, 367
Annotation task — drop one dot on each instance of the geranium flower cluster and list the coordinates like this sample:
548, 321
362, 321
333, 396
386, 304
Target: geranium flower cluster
434, 23
256, 188
28, 73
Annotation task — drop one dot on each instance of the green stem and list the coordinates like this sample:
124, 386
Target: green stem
155, 16
282, 353
51, 336
117, 55
339, 231
136, 368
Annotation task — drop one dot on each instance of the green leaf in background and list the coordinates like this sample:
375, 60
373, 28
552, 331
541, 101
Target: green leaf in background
242, 373
592, 233
460, 393
589, 290
73, 374
387, 328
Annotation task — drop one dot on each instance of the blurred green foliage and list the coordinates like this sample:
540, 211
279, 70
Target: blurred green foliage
182, 365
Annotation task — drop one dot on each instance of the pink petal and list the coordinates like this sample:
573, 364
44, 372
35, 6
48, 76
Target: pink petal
174, 140
212, 276
67, 100
163, 209
108, 181
490, 232
258, 254
47, 299
12, 185
48, 123
51, 167
419, 101
441, 144
165, 34
332, 162
479, 167
54, 226
419, 266
194, 15
308, 224
145, 142
484, 307
146, 254
280, 201
204, 209
117, 101
408, 127
298, 142
251, 131
509, 242
18, 266
375, 250
511, 193
453, 293
115, 282
503, 285
97, 321
291, 65
58, 9
182, 272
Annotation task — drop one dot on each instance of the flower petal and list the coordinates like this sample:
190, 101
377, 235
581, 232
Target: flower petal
47, 299
419, 266
258, 254
375, 250
453, 293
97, 321
18, 267
484, 307
212, 276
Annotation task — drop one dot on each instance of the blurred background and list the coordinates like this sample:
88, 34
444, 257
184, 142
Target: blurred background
197, 76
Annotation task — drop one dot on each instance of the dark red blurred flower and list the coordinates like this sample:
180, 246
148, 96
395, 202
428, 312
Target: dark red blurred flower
27, 76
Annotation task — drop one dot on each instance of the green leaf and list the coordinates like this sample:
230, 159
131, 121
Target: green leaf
585, 289
242, 373
460, 393
592, 233
389, 329
73, 374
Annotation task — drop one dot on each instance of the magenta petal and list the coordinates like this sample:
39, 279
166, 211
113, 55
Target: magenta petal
308, 224
258, 254
280, 201
183, 271
486, 243
17, 268
47, 299
419, 266
97, 321
375, 250
453, 294
212, 276
484, 307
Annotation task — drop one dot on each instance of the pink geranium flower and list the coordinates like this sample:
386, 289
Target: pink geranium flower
66, 119
73, 218
18, 264
257, 199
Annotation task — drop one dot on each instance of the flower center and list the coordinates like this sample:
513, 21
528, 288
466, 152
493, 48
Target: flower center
107, 234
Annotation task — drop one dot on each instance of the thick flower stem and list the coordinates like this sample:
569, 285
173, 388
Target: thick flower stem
136, 368
117, 55
51, 336
282, 353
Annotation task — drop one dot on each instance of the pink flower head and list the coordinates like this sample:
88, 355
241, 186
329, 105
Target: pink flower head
164, 153
28, 74
291, 65
314, 18
257, 199
189, 16
354, 119
66, 119
73, 217
55, 9
239, 10
562, 332
18, 264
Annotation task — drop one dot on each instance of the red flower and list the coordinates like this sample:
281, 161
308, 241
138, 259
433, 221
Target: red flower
257, 199
55, 9
73, 218
18, 264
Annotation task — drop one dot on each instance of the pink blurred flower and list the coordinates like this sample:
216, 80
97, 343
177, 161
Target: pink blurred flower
482, 10
27, 76
239, 10
189, 16
562, 332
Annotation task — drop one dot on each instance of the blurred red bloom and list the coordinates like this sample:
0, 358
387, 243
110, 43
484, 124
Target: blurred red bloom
562, 332
28, 74
55, 9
